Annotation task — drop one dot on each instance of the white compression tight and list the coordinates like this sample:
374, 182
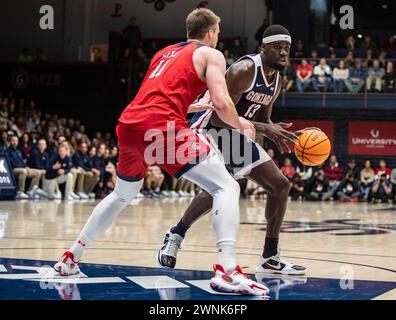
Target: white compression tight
212, 176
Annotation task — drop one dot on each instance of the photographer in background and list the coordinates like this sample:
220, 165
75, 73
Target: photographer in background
381, 190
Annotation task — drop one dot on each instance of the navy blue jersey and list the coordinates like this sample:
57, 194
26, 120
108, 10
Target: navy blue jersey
259, 95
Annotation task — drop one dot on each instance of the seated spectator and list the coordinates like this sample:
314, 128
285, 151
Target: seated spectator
375, 76
322, 76
39, 157
350, 43
271, 154
381, 190
318, 187
297, 188
390, 78
334, 173
109, 181
25, 146
287, 169
289, 77
21, 171
368, 61
304, 75
368, 43
228, 58
390, 44
349, 59
393, 182
357, 75
237, 50
333, 60
299, 52
348, 190
340, 74
382, 169
304, 172
88, 177
382, 59
352, 168
153, 181
367, 178
313, 59
58, 172
4, 143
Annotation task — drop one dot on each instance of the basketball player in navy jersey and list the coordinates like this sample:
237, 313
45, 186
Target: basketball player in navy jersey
254, 83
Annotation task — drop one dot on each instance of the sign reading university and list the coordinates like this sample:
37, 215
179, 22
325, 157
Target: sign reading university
372, 138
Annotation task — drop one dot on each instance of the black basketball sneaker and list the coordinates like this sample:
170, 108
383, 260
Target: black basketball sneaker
167, 254
276, 265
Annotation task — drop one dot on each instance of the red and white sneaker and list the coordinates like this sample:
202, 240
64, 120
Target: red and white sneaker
66, 266
235, 282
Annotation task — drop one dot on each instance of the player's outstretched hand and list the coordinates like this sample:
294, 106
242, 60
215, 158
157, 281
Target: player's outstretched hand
300, 132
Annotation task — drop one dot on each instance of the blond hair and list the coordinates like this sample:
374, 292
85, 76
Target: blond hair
199, 22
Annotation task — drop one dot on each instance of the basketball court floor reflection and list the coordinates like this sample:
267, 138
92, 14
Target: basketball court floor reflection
349, 250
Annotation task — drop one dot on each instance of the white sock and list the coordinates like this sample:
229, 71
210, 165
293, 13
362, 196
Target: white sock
226, 255
105, 213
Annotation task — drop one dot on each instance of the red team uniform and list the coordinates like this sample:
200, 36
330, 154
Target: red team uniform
171, 84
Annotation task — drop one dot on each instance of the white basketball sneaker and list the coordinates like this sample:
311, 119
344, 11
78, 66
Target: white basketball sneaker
235, 282
66, 266
167, 254
276, 265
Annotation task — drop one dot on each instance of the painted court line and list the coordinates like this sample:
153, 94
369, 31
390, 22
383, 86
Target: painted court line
157, 282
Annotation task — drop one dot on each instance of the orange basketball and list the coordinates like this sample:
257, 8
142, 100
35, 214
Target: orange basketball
312, 148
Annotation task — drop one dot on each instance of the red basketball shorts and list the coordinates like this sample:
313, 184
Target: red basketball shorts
175, 152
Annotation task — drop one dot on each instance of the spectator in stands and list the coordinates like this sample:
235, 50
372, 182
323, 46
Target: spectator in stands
4, 143
340, 74
333, 60
334, 173
132, 35
350, 43
318, 187
228, 58
382, 169
304, 172
288, 169
271, 154
368, 43
25, 146
40, 56
390, 44
152, 49
357, 74
297, 188
88, 177
304, 75
153, 181
352, 169
289, 77
25, 56
368, 61
381, 190
322, 76
21, 171
393, 182
237, 50
39, 157
313, 59
299, 51
382, 59
367, 177
348, 190
375, 76
349, 59
58, 172
390, 78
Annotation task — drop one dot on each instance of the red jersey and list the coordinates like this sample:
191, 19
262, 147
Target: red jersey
171, 84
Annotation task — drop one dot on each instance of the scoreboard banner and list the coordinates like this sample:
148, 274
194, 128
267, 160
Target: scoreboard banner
372, 138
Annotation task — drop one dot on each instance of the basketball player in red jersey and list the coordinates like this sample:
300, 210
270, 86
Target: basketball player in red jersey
153, 129
254, 83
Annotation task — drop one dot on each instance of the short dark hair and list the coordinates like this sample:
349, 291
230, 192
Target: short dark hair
199, 21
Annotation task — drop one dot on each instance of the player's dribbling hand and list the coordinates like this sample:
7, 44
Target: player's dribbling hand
278, 134
300, 132
247, 128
